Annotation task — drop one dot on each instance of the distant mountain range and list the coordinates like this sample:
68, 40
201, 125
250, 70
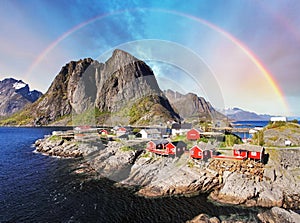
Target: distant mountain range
192, 107
15, 95
238, 114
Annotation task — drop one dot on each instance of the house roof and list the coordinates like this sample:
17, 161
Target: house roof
124, 136
151, 131
248, 147
186, 126
160, 141
182, 126
179, 144
205, 146
198, 130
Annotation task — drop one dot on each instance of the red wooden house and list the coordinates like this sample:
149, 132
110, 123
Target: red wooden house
193, 134
158, 146
202, 151
249, 151
176, 148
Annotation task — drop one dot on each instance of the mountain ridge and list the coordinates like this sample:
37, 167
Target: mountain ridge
238, 114
122, 90
108, 91
15, 95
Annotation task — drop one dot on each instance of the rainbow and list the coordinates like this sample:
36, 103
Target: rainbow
267, 74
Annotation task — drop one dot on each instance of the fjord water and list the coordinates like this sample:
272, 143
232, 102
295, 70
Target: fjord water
38, 188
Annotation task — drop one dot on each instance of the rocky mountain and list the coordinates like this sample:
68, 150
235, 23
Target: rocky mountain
191, 107
15, 95
238, 114
121, 90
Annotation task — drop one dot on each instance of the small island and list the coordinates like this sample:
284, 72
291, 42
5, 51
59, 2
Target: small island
169, 166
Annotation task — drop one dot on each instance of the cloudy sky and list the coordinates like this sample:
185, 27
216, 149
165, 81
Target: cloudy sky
234, 53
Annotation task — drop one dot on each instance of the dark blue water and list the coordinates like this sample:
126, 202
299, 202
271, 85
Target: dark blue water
250, 124
37, 188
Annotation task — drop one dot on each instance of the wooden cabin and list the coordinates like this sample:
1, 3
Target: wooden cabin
180, 128
249, 151
158, 146
176, 148
193, 134
202, 151
150, 134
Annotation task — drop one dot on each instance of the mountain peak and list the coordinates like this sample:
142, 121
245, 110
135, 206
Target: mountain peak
121, 53
14, 95
190, 106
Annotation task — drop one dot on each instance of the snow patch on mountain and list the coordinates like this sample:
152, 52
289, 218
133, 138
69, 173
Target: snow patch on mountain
19, 85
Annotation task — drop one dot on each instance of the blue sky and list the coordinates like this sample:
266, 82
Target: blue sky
227, 38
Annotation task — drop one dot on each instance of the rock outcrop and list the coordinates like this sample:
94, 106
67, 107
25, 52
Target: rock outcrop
277, 184
233, 182
15, 95
279, 215
278, 136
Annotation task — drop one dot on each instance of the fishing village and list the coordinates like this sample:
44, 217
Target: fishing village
184, 161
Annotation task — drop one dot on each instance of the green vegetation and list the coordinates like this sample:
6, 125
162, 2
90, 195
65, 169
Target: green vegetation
23, 117
230, 140
146, 155
258, 138
202, 139
191, 163
87, 117
54, 138
205, 125
283, 125
126, 148
139, 108
294, 121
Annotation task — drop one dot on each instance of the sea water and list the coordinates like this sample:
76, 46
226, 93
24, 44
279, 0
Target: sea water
38, 188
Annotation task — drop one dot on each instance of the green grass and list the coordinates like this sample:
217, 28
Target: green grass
23, 117
126, 149
146, 155
54, 138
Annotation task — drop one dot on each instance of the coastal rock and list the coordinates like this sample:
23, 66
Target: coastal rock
114, 161
55, 146
203, 218
232, 182
256, 185
279, 215
172, 176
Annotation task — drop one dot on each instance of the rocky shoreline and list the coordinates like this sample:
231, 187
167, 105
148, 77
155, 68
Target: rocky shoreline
276, 184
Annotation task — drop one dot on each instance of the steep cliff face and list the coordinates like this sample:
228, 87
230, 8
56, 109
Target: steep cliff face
15, 95
58, 100
190, 106
114, 88
125, 79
